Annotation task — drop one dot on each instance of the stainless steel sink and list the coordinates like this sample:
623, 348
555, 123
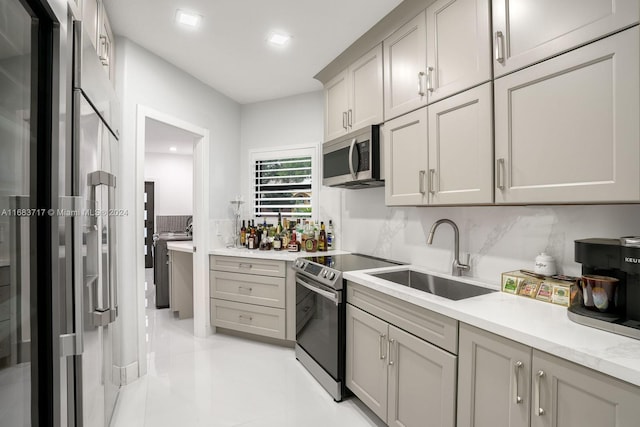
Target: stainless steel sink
440, 286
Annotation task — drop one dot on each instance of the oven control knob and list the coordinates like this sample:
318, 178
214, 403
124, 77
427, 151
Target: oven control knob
324, 274
332, 275
299, 264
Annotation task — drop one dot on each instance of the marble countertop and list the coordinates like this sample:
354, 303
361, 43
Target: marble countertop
275, 255
540, 325
180, 246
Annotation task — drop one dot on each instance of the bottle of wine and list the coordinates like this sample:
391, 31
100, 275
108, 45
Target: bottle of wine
251, 240
277, 242
243, 234
322, 238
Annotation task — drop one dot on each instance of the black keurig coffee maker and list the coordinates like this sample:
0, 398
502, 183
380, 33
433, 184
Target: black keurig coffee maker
608, 295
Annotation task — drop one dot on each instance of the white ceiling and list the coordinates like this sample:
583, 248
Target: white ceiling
230, 53
159, 137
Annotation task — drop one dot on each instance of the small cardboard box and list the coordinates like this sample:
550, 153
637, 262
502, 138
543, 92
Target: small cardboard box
548, 289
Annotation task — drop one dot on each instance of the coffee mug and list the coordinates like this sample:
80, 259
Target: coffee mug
599, 292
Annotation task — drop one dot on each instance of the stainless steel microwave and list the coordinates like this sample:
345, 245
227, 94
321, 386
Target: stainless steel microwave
353, 160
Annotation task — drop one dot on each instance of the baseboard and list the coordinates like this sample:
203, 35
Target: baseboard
126, 374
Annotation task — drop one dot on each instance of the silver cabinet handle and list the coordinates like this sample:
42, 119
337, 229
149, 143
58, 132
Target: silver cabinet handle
421, 175
430, 87
245, 318
517, 366
344, 120
499, 46
383, 338
420, 88
245, 265
350, 117
500, 173
391, 347
104, 50
432, 179
539, 376
244, 289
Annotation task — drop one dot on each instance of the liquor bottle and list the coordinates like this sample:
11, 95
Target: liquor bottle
243, 234
322, 238
279, 226
277, 242
251, 240
330, 236
265, 245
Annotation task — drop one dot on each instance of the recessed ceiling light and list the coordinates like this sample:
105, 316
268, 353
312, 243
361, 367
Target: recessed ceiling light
173, 148
189, 19
278, 39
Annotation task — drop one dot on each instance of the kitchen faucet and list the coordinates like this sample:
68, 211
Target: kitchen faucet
457, 266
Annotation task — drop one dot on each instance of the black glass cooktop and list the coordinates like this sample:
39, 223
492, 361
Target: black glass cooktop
351, 262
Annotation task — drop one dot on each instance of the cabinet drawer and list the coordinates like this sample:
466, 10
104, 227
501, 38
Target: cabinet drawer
254, 319
264, 267
249, 288
432, 327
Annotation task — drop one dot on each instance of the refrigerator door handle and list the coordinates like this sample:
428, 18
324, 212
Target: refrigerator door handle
21, 213
103, 316
71, 344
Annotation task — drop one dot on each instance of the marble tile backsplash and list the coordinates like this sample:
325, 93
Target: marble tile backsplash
497, 238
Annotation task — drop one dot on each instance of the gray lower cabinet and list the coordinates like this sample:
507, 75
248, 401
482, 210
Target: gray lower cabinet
249, 295
403, 379
504, 383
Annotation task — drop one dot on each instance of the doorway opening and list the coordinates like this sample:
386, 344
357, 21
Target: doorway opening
174, 156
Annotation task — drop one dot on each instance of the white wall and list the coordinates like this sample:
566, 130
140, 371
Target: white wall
172, 175
144, 79
291, 121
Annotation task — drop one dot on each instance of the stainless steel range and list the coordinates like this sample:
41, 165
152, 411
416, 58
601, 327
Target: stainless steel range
320, 315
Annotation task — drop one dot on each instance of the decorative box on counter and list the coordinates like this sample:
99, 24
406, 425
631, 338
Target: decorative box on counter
554, 289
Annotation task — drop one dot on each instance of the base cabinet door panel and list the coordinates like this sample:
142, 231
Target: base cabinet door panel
569, 395
567, 129
422, 381
366, 365
493, 380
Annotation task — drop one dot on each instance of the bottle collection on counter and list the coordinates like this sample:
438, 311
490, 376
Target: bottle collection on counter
291, 235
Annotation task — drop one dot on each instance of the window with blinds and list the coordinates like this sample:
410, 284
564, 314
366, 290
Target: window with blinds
284, 186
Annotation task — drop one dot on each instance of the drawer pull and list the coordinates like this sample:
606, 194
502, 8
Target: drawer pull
245, 318
244, 289
245, 265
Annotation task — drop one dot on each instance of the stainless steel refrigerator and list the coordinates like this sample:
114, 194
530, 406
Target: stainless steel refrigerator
94, 183
59, 327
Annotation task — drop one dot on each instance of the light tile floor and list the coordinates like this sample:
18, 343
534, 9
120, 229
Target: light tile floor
225, 381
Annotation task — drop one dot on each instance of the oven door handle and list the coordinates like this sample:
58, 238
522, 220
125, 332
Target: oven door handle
326, 294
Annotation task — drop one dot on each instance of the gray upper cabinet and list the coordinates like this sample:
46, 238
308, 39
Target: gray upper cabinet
566, 129
441, 154
353, 98
458, 46
520, 39
405, 61
96, 25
